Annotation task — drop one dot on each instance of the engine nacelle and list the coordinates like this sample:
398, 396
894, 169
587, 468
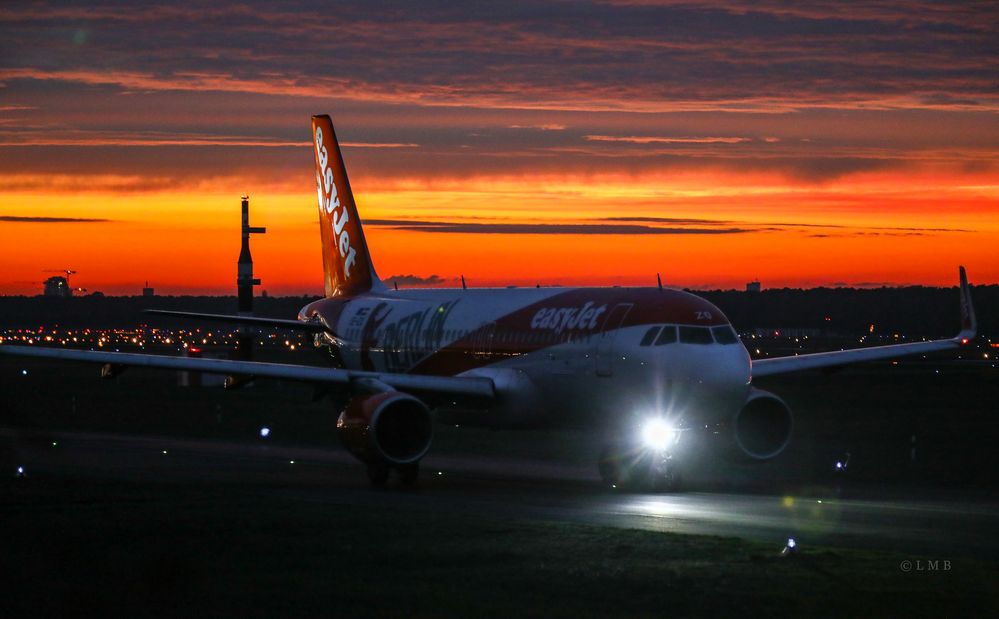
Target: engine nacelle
762, 427
518, 402
390, 427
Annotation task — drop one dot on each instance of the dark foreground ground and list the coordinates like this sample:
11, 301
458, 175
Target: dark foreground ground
136, 526
224, 524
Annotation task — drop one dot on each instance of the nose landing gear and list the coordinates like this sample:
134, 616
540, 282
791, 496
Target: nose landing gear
664, 475
635, 468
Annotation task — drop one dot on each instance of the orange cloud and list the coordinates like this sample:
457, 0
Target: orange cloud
635, 139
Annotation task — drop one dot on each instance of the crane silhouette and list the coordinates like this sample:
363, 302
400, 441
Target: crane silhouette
67, 272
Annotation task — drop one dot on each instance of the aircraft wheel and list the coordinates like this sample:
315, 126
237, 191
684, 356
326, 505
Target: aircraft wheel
409, 473
378, 474
667, 480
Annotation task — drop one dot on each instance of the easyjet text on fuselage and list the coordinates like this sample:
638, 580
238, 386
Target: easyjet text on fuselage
558, 319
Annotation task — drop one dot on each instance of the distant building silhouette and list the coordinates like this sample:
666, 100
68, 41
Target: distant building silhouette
147, 291
57, 286
753, 287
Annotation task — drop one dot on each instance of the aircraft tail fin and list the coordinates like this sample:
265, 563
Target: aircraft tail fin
347, 264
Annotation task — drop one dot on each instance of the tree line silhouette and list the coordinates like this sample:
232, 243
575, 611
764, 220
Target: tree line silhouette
914, 311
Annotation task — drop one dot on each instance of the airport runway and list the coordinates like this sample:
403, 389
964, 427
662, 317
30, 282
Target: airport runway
517, 489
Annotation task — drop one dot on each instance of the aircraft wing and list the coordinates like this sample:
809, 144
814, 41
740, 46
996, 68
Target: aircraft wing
782, 365
466, 386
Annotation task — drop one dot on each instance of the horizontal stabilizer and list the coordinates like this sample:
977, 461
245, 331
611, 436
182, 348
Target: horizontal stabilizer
278, 323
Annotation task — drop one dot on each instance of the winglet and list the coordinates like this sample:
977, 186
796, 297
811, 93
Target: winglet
969, 325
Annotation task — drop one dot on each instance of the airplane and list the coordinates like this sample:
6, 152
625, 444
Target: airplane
651, 366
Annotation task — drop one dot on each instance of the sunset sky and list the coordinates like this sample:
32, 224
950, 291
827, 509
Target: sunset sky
573, 143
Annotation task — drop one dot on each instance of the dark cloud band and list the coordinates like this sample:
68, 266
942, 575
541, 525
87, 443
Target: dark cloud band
50, 220
414, 280
531, 228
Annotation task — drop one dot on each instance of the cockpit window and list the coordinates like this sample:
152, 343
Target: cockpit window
668, 335
649, 336
695, 335
725, 335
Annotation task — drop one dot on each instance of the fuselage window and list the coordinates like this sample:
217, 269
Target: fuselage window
695, 335
649, 336
668, 336
725, 335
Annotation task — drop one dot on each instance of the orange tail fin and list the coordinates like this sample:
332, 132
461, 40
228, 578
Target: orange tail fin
346, 261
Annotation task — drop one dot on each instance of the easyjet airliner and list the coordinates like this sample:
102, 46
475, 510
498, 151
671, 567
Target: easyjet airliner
655, 364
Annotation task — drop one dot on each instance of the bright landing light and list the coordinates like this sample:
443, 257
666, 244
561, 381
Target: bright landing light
658, 433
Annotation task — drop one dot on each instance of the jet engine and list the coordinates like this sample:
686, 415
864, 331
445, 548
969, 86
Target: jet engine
389, 427
762, 427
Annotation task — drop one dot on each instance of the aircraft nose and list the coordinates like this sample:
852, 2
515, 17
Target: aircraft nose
719, 386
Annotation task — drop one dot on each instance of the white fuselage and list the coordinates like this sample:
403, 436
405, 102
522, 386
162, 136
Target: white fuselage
556, 355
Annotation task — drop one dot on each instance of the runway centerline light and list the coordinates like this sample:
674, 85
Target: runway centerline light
657, 433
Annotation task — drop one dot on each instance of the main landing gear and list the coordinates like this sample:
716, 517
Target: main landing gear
634, 467
378, 473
